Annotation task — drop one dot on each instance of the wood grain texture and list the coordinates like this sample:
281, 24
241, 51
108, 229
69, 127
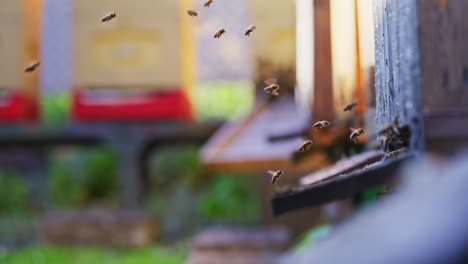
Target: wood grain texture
443, 42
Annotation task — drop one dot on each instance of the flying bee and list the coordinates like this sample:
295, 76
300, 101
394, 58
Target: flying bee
350, 106
32, 67
305, 146
272, 88
208, 3
321, 124
109, 17
219, 33
250, 30
192, 13
355, 133
275, 175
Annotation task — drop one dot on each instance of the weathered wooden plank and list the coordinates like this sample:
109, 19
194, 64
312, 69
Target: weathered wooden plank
339, 187
397, 70
443, 38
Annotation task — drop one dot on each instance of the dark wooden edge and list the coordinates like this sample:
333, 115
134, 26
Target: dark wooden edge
338, 188
96, 133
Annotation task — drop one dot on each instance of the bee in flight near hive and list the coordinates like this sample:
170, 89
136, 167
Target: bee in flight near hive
219, 33
208, 3
192, 13
321, 124
272, 88
275, 175
250, 30
305, 146
32, 67
108, 17
350, 106
355, 133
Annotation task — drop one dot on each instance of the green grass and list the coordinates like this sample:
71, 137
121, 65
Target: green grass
41, 254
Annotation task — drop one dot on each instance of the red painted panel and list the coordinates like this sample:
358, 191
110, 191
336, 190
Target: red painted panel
167, 105
18, 108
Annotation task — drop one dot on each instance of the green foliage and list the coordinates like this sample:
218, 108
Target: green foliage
174, 166
184, 198
55, 108
230, 198
82, 176
40, 254
223, 99
13, 193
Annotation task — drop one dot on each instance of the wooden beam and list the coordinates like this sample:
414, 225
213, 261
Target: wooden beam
338, 188
322, 107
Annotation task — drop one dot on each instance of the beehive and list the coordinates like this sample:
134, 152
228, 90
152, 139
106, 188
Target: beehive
274, 42
145, 48
18, 46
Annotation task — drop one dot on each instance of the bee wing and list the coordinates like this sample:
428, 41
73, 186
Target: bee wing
272, 172
352, 129
271, 81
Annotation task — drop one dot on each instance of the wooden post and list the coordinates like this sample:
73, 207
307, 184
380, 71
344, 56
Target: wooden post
128, 148
322, 107
360, 92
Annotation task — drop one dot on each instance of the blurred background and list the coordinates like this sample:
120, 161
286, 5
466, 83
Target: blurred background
115, 127
146, 140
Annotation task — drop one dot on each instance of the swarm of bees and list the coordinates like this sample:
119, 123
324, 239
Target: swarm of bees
109, 17
394, 138
32, 67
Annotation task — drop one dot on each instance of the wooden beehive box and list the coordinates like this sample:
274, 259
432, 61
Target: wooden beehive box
18, 47
136, 66
11, 48
140, 48
274, 42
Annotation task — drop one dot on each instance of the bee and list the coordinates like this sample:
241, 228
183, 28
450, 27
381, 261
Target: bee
192, 13
275, 175
108, 17
350, 106
355, 133
219, 33
384, 142
305, 146
321, 124
272, 88
250, 30
208, 3
32, 67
